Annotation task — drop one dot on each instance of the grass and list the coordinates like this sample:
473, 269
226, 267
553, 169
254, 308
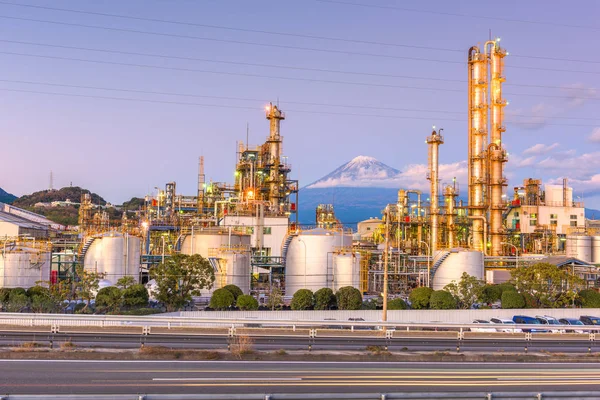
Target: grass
281, 352
28, 346
68, 345
241, 345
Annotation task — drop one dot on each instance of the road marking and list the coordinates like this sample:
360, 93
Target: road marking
229, 379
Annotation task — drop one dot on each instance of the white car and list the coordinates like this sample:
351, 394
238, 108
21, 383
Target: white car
506, 329
482, 329
548, 320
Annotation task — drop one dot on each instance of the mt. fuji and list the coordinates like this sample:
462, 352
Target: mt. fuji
361, 171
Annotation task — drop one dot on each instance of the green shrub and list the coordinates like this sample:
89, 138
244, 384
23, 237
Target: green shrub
221, 299
234, 290
397, 304
491, 293
110, 298
37, 291
141, 311
512, 299
589, 298
324, 299
349, 298
17, 291
247, 302
135, 296
303, 299
442, 300
370, 304
17, 301
506, 286
4, 294
419, 298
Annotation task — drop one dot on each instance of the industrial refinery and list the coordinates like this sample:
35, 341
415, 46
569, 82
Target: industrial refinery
249, 231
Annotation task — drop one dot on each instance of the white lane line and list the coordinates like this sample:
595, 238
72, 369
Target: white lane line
550, 378
229, 379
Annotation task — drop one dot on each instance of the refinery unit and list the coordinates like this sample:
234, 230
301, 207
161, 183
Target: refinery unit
249, 230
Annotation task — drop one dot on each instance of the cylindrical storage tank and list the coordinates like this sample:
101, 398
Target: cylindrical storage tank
308, 263
454, 264
346, 270
595, 249
200, 242
24, 267
237, 270
580, 247
115, 256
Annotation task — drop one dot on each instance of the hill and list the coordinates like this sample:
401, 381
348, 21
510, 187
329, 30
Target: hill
6, 197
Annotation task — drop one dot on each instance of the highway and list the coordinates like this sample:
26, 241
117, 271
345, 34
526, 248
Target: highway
218, 377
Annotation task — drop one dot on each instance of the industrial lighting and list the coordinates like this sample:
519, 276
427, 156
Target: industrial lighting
267, 108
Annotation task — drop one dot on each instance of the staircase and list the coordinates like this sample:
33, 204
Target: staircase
85, 248
438, 260
286, 245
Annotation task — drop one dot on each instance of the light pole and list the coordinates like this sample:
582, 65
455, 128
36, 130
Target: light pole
163, 248
428, 262
385, 263
516, 252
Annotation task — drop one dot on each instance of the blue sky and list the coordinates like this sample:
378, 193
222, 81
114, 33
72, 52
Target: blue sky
124, 148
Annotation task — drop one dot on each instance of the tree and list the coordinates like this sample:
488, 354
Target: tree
110, 298
221, 299
125, 282
419, 298
86, 285
397, 304
303, 299
442, 300
467, 291
275, 299
38, 290
324, 299
234, 290
349, 298
512, 299
135, 296
589, 298
247, 302
546, 284
56, 294
180, 277
17, 301
491, 293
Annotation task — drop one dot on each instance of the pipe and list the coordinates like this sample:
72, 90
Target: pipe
484, 220
434, 141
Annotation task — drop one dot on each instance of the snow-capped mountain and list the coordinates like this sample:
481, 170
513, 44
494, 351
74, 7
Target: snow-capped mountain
361, 171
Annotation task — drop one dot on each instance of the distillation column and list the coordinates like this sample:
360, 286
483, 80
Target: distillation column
274, 115
449, 195
496, 153
434, 142
477, 125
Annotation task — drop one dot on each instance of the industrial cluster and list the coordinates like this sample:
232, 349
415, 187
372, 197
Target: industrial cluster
249, 230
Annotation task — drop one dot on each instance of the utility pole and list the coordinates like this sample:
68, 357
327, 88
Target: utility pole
385, 263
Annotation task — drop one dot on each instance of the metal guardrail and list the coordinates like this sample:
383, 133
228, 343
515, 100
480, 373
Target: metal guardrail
57, 320
550, 395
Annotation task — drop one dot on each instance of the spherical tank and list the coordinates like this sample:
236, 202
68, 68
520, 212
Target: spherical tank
346, 270
115, 256
580, 247
453, 266
24, 267
308, 263
201, 242
595, 249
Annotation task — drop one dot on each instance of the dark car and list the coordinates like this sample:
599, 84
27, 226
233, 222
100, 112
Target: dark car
589, 320
572, 321
524, 319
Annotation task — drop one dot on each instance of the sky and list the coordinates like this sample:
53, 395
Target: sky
124, 96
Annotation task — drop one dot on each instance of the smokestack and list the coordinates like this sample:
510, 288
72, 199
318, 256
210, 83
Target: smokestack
434, 142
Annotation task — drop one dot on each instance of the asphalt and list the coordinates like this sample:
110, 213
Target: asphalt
218, 377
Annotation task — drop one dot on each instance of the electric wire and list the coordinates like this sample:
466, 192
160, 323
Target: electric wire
255, 108
285, 34
262, 65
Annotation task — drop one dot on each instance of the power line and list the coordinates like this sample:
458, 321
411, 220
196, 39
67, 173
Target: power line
553, 24
262, 65
255, 108
357, 106
384, 85
285, 34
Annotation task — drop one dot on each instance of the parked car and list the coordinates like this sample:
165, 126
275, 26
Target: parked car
589, 320
487, 328
524, 319
506, 329
572, 321
548, 320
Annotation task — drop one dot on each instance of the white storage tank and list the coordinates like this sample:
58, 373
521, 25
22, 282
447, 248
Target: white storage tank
595, 249
346, 270
236, 270
455, 262
115, 255
308, 262
580, 247
201, 242
23, 267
